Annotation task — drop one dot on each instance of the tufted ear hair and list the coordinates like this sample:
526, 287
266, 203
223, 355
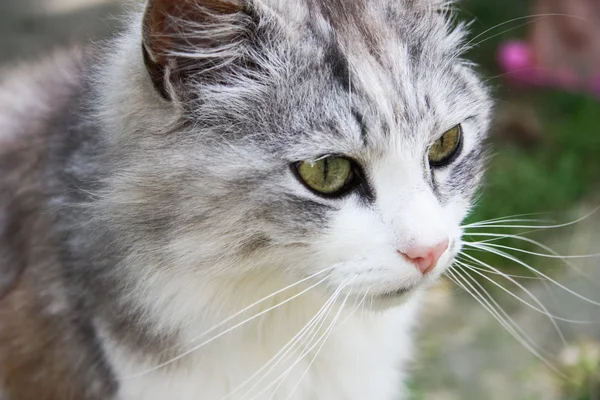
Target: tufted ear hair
193, 38
430, 4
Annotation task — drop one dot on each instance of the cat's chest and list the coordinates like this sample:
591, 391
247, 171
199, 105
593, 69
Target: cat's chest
346, 379
355, 362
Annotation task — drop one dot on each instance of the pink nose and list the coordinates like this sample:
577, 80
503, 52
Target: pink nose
425, 258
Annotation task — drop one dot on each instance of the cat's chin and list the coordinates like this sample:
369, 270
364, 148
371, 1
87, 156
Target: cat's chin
396, 298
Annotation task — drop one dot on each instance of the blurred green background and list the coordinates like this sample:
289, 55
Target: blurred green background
545, 147
546, 159
550, 160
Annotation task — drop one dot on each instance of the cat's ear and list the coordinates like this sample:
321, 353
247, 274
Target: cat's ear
191, 38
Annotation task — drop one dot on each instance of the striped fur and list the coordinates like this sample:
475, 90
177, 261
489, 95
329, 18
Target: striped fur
149, 196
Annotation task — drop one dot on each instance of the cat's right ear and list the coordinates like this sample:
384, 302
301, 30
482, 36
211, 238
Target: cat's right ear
193, 39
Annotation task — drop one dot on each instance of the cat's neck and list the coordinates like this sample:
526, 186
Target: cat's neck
284, 332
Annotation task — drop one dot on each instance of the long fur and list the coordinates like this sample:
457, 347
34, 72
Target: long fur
173, 211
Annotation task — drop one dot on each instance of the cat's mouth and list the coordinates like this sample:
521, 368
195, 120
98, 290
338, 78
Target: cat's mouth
392, 298
397, 293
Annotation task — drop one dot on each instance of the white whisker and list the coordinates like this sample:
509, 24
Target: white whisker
260, 301
522, 338
559, 257
498, 308
532, 16
212, 339
542, 310
281, 354
313, 333
499, 223
516, 260
499, 314
533, 20
498, 272
282, 376
501, 219
498, 237
555, 226
326, 336
360, 303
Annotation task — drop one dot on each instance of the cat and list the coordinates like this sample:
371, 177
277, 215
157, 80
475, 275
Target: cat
234, 199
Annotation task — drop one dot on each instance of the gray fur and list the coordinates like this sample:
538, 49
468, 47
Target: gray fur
131, 176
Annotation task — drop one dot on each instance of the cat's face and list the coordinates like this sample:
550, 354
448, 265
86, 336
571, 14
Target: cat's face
343, 137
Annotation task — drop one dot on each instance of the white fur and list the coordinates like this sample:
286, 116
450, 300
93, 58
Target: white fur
364, 357
359, 360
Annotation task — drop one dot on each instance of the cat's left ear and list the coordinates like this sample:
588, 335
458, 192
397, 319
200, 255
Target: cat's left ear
184, 39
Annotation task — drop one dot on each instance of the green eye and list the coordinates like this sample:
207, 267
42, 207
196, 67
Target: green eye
446, 148
329, 175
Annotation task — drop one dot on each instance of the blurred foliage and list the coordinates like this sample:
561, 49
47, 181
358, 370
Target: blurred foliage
551, 174
562, 166
581, 367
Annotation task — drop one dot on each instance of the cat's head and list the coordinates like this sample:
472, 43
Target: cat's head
342, 136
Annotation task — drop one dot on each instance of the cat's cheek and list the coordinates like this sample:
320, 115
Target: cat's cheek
456, 210
359, 249
354, 232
